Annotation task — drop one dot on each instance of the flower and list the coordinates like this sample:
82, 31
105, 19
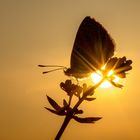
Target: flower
117, 67
71, 88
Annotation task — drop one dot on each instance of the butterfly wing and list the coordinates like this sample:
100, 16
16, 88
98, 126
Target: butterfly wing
92, 48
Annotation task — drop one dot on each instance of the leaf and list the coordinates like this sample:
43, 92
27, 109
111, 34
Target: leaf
90, 99
53, 111
60, 113
87, 119
116, 84
65, 103
54, 104
127, 68
89, 91
121, 75
79, 111
41, 66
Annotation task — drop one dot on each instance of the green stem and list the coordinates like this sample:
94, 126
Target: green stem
70, 114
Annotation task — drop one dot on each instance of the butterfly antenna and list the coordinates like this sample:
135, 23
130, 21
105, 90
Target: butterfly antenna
58, 67
51, 70
51, 66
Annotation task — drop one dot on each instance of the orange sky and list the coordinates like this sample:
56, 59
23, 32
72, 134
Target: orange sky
43, 32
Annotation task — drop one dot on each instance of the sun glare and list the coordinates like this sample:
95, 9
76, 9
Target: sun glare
96, 77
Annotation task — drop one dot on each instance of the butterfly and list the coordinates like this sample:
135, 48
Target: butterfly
92, 48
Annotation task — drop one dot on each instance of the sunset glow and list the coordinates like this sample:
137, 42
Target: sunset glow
96, 77
43, 32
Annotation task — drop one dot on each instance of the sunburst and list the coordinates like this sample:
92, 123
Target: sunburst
96, 77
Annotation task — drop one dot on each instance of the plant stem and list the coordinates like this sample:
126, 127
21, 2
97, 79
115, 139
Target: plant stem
86, 94
64, 125
70, 114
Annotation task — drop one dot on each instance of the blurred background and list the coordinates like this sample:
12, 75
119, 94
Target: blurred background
43, 32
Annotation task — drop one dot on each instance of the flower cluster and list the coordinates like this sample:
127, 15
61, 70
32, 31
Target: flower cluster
82, 92
71, 88
116, 67
119, 66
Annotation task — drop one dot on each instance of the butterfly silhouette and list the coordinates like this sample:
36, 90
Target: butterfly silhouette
92, 48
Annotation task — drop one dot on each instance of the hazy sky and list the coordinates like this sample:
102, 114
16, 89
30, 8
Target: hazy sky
43, 32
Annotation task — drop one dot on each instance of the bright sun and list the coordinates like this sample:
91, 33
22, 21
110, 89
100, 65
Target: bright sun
106, 84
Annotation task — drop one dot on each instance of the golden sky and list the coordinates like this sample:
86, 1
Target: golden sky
43, 32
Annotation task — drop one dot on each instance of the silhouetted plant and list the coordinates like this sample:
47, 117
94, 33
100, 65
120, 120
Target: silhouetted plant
84, 93
92, 52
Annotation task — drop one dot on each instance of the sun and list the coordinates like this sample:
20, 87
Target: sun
96, 77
